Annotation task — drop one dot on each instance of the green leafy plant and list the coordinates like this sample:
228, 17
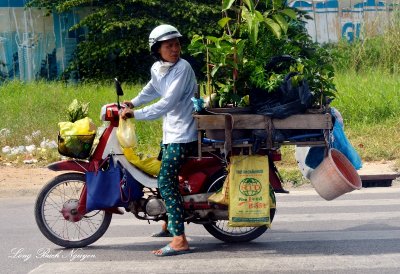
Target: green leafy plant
77, 110
227, 59
252, 33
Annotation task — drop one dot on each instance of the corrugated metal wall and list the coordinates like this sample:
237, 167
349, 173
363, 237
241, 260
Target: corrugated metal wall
347, 19
34, 46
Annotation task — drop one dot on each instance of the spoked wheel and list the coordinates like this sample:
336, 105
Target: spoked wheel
58, 218
223, 232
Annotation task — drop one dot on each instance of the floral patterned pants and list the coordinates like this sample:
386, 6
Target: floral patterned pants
173, 156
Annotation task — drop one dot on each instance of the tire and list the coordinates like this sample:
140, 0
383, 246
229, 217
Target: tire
61, 192
222, 231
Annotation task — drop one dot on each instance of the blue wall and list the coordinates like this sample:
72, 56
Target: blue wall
12, 3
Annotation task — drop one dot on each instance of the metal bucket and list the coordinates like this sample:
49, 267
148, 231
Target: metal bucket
335, 176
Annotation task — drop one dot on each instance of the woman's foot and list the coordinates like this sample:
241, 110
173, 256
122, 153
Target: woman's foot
178, 245
162, 233
169, 251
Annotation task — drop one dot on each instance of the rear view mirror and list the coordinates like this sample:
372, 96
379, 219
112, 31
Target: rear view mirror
118, 87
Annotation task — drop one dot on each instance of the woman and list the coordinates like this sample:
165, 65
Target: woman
173, 81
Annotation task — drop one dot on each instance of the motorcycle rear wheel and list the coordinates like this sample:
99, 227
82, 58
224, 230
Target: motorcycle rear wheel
222, 231
60, 197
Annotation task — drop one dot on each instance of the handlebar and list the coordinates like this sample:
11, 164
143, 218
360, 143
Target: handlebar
111, 112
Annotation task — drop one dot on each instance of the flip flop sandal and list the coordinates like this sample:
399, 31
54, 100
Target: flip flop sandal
162, 233
169, 251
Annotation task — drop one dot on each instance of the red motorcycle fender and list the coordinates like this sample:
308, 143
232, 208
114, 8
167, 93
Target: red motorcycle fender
72, 165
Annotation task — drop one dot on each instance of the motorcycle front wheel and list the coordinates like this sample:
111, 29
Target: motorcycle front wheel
222, 231
58, 218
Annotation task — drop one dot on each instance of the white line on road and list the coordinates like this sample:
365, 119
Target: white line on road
328, 216
338, 203
270, 236
297, 264
362, 191
294, 218
331, 236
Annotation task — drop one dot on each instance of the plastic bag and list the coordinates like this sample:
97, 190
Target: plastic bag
339, 142
222, 195
150, 165
83, 126
126, 133
249, 194
285, 100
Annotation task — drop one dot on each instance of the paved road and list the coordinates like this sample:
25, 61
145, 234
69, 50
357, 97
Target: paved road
356, 233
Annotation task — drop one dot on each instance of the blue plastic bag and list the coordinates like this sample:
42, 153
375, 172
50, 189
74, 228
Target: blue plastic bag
340, 142
198, 104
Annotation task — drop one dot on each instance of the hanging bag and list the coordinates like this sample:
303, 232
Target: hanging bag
222, 195
249, 194
126, 133
108, 187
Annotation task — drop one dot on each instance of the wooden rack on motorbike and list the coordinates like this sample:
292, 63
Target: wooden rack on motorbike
228, 123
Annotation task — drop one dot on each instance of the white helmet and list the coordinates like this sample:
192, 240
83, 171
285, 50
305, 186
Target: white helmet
163, 33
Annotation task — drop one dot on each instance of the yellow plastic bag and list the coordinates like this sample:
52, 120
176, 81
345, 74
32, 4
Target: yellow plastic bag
83, 126
222, 195
150, 165
249, 191
126, 133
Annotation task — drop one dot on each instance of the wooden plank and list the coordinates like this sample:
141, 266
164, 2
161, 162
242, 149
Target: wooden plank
210, 121
229, 122
304, 121
228, 134
249, 121
305, 143
199, 150
240, 121
255, 121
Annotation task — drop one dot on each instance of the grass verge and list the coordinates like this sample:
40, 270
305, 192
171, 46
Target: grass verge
368, 102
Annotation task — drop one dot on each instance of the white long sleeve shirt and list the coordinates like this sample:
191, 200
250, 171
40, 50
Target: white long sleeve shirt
175, 88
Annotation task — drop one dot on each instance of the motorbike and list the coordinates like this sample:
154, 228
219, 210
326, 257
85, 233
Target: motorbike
60, 208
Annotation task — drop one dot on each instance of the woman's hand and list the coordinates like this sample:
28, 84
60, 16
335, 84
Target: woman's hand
128, 104
127, 113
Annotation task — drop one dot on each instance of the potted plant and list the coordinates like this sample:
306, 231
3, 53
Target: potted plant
252, 32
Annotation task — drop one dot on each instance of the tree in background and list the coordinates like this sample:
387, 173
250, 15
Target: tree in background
116, 39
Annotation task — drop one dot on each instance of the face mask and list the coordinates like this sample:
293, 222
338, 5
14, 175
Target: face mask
163, 67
